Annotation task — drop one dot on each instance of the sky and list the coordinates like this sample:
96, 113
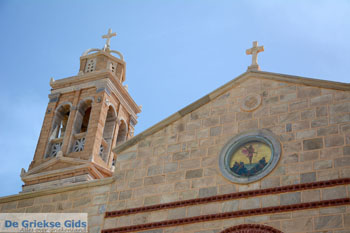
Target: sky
176, 52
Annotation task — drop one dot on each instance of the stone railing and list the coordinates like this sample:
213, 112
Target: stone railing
55, 146
79, 142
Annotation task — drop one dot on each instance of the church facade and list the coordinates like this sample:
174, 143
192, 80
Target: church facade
266, 152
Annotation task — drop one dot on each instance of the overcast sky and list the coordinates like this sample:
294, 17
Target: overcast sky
176, 52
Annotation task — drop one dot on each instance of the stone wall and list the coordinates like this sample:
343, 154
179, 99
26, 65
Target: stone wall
180, 162
88, 198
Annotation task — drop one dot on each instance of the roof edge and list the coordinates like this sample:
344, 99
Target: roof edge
236, 81
72, 187
302, 80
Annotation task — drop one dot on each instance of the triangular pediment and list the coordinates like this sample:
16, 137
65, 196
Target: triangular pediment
54, 164
65, 165
246, 78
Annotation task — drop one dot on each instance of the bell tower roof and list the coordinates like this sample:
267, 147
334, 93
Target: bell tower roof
94, 59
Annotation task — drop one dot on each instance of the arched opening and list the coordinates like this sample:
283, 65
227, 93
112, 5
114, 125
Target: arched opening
83, 116
81, 125
107, 135
58, 129
60, 121
86, 118
122, 132
251, 228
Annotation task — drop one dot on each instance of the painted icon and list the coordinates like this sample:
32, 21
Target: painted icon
250, 159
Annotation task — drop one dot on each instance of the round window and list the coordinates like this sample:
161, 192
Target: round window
249, 156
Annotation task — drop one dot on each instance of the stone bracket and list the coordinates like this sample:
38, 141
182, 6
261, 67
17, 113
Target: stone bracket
54, 97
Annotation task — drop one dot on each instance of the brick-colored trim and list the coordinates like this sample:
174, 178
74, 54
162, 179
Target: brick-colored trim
251, 228
230, 196
228, 215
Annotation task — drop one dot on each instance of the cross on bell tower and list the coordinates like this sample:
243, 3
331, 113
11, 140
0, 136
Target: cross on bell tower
108, 36
254, 52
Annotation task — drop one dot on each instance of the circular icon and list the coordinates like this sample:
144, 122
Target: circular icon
250, 156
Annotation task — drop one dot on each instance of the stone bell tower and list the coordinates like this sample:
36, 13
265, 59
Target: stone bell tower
87, 115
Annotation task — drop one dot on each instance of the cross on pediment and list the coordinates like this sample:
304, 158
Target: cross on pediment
254, 52
108, 36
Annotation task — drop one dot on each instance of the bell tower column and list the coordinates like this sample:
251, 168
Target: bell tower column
81, 122
68, 137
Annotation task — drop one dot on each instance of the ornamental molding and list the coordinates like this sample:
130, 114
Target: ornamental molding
251, 102
54, 97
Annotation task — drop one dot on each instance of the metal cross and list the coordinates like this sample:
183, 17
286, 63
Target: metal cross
254, 52
108, 36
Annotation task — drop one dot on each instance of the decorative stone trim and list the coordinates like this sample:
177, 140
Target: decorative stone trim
251, 102
105, 89
251, 228
133, 121
228, 215
230, 196
53, 98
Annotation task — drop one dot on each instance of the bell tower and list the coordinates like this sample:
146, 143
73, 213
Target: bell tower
87, 115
